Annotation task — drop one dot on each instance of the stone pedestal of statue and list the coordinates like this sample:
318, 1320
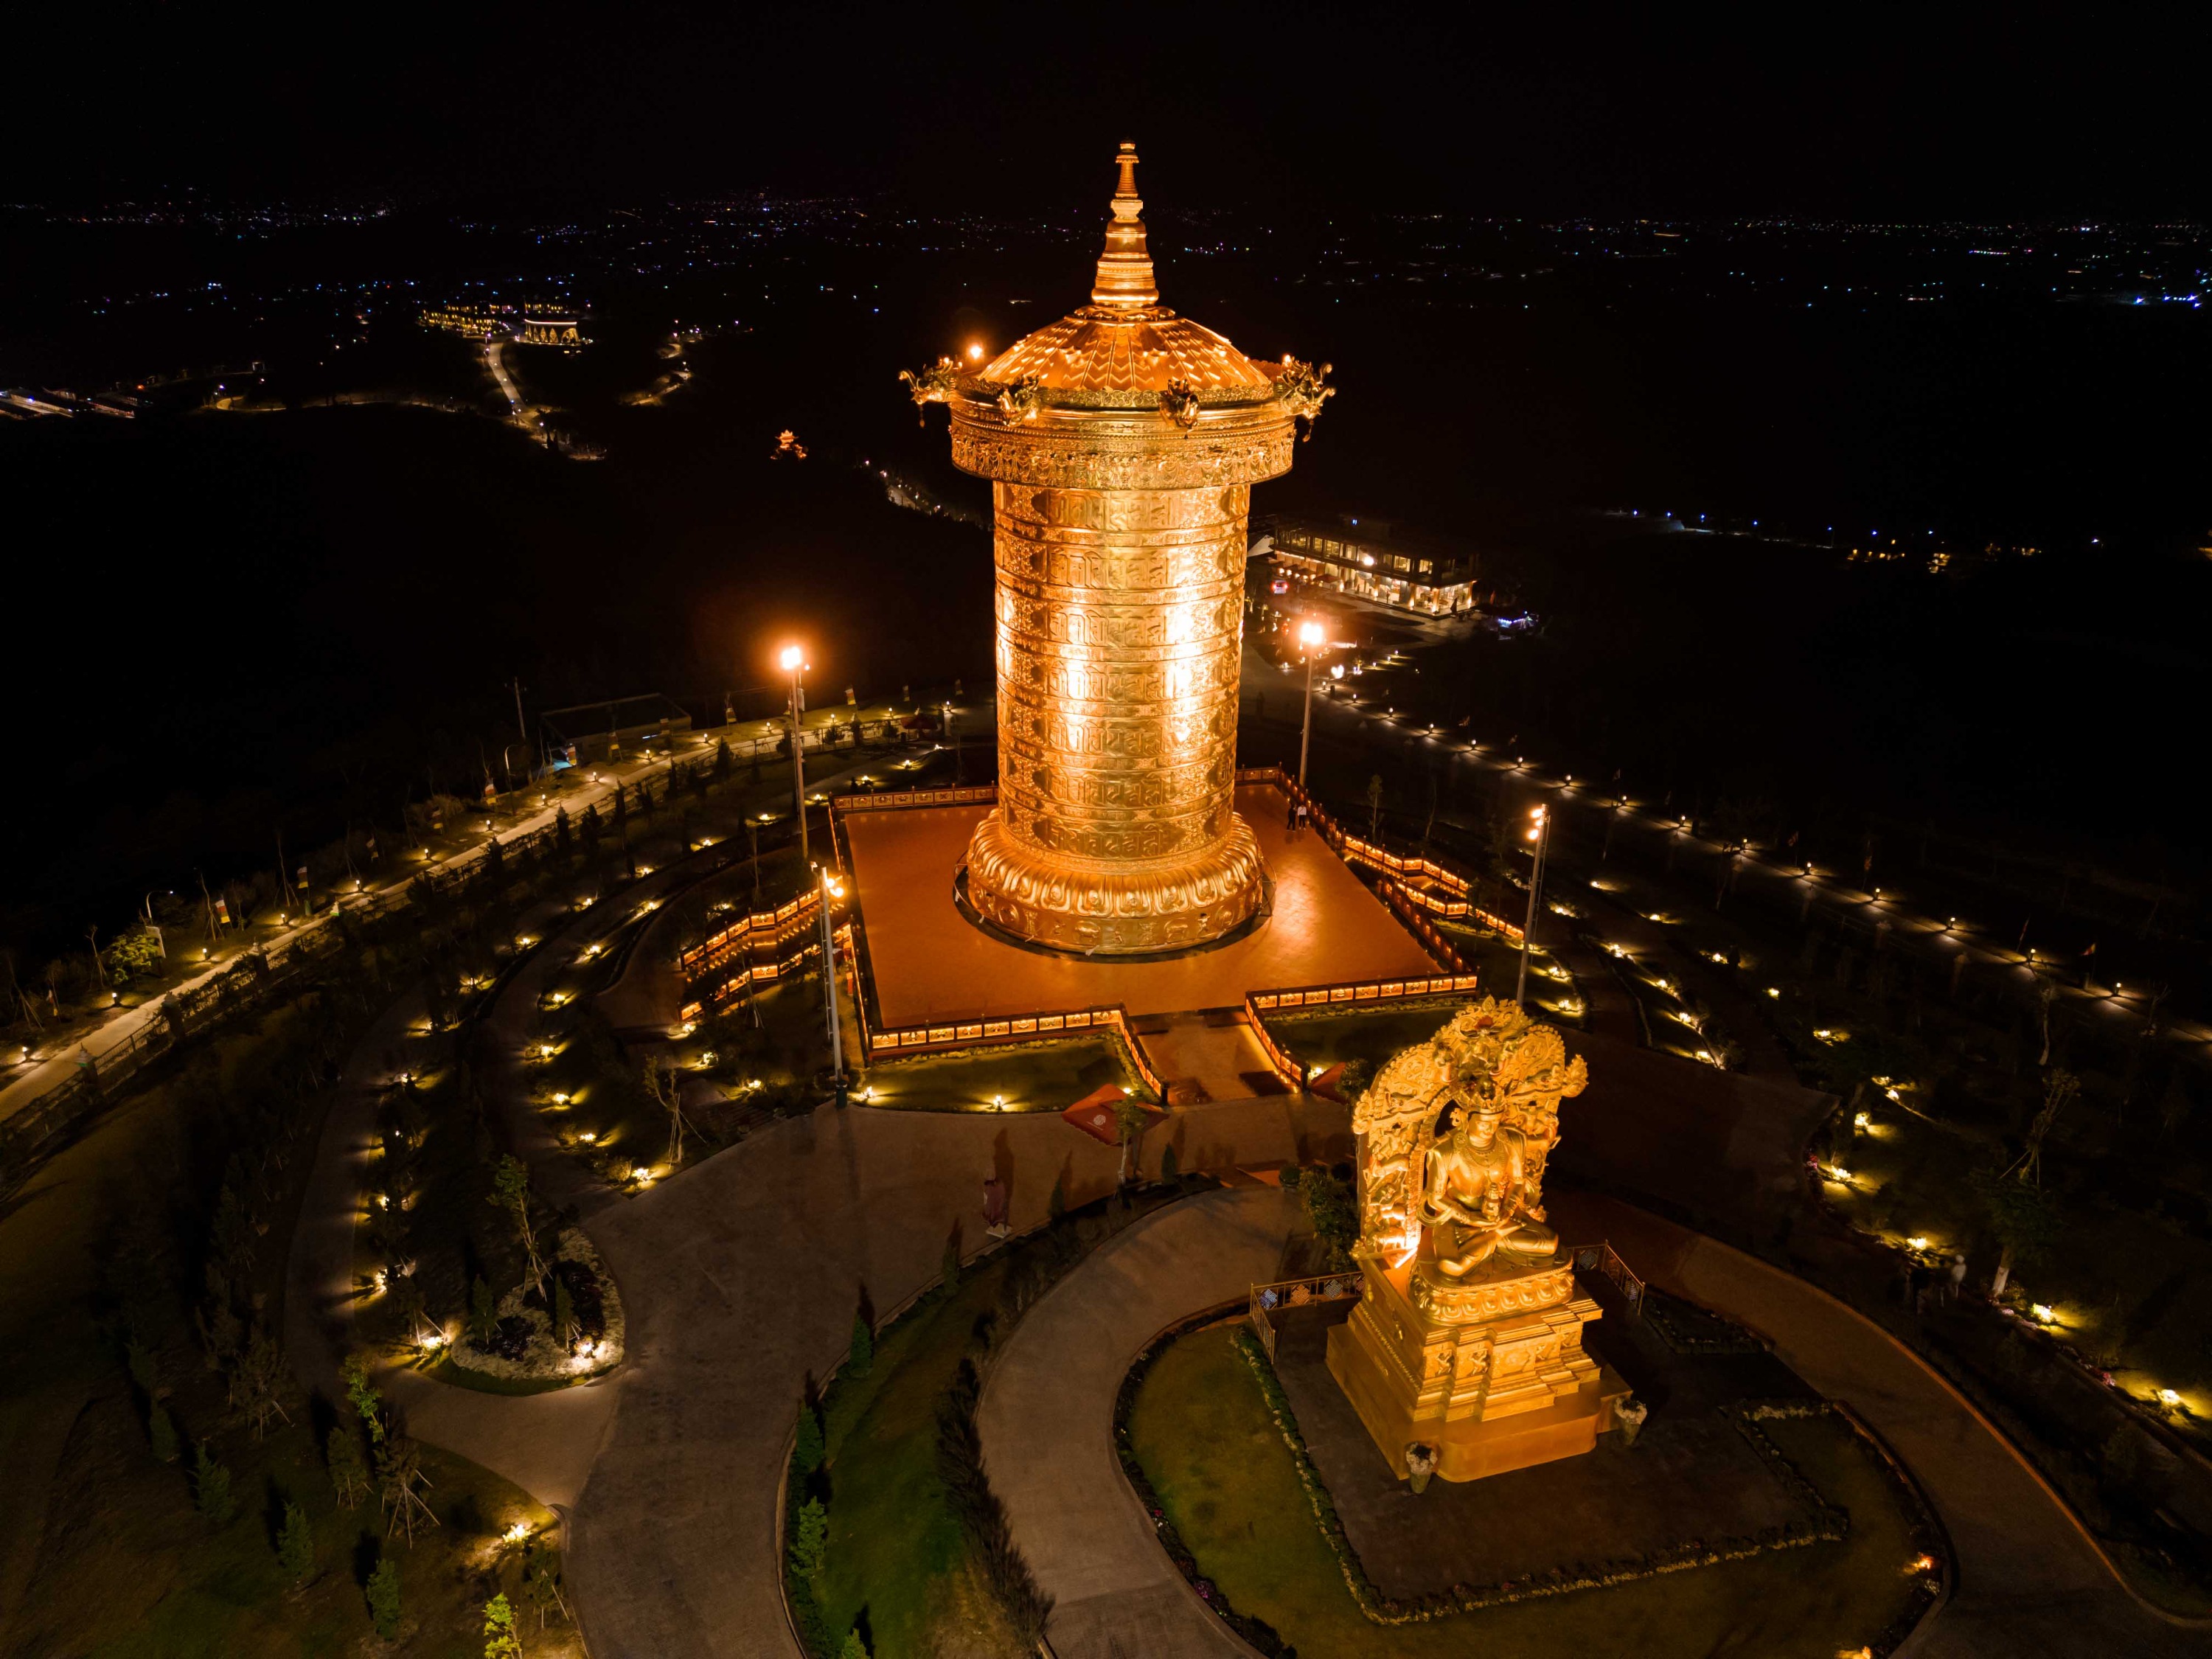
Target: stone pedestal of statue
1488, 1369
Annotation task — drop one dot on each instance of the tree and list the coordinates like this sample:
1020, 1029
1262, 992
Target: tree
259, 1375
2059, 1088
809, 1539
161, 1433
809, 1451
399, 1475
2022, 1217
589, 828
360, 1393
348, 1475
211, 1488
860, 1357
564, 1312
541, 1583
949, 1271
561, 832
855, 1647
295, 1544
2042, 993
721, 759
384, 1598
665, 1085
484, 1314
501, 1639
1169, 1170
1374, 805
1331, 1211
1129, 1124
510, 1191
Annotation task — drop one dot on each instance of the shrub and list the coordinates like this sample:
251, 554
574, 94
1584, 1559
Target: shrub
807, 1456
211, 1488
982, 1515
860, 1357
384, 1598
809, 1539
161, 1433
295, 1544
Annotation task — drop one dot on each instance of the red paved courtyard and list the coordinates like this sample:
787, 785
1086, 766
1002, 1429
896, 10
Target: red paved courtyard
932, 965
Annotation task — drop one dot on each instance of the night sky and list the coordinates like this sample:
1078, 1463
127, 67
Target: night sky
1862, 112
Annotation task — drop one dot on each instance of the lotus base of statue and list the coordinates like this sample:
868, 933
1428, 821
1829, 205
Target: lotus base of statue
1487, 1369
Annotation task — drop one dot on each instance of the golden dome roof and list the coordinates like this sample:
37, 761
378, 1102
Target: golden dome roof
1125, 345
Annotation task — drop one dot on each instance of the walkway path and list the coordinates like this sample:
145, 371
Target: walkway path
2028, 1581
741, 1276
1047, 1419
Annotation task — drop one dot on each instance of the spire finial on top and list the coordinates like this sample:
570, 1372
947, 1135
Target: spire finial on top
1125, 270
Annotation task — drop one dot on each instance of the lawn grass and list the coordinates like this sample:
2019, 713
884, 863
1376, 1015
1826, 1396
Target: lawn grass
1043, 1077
1373, 1034
898, 1562
1201, 1431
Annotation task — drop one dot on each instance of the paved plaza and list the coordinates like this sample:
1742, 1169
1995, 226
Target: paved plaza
932, 965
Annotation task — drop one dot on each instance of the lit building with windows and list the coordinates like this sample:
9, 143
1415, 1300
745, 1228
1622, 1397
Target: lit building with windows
1372, 560
472, 321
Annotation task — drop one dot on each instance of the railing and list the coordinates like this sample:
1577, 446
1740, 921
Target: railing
1022, 1027
1438, 947
1296, 1293
1259, 1004
1357, 849
779, 924
1601, 1258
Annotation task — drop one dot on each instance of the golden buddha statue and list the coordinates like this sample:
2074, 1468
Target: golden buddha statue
1465, 1357
1476, 1198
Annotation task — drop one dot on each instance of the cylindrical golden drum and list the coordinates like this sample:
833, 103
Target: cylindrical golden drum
1120, 623
1122, 443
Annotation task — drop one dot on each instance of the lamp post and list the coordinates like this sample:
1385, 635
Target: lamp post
794, 664
1540, 831
1310, 635
832, 889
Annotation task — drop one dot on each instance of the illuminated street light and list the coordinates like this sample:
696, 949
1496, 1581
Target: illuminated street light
1540, 831
1310, 635
793, 660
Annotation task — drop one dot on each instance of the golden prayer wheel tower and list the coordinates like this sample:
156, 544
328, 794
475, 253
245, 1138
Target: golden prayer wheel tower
1121, 443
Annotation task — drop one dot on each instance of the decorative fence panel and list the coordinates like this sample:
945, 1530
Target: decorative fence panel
1268, 1299
1601, 1259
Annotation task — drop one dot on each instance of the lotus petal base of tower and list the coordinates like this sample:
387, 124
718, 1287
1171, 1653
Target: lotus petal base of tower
1121, 909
